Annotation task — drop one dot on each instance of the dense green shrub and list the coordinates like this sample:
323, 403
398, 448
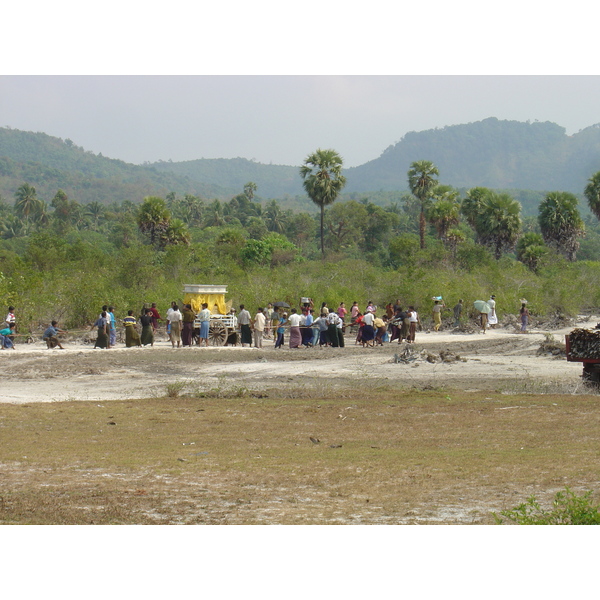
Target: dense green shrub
567, 509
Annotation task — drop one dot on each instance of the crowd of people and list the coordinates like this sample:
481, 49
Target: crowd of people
304, 327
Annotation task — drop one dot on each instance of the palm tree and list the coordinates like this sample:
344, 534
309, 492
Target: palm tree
530, 249
249, 190
323, 180
95, 211
499, 222
26, 201
592, 193
275, 217
176, 233
153, 219
472, 203
421, 182
445, 211
561, 223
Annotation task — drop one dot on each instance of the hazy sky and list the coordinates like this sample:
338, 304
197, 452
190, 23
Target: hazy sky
279, 119
274, 81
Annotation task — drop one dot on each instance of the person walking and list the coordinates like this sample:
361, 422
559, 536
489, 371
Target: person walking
280, 330
457, 310
101, 325
258, 326
132, 337
295, 335
187, 325
492, 316
437, 314
413, 318
244, 323
524, 317
112, 327
175, 326
204, 318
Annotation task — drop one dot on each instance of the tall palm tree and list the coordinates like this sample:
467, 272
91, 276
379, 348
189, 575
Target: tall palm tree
592, 193
561, 223
323, 180
499, 222
26, 201
421, 182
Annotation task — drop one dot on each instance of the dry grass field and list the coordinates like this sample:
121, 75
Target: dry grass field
359, 455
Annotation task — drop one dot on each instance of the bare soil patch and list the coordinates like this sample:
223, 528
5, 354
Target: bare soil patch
439, 432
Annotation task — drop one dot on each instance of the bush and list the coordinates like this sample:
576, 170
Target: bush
567, 509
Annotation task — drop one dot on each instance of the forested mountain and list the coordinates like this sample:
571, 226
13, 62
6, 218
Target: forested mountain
49, 163
491, 153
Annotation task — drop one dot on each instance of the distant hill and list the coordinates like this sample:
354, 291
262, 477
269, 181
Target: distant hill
507, 155
49, 163
489, 153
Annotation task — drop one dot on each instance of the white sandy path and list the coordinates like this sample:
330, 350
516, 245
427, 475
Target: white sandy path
517, 363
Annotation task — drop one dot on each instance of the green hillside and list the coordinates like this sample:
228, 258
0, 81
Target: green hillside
509, 155
489, 153
49, 163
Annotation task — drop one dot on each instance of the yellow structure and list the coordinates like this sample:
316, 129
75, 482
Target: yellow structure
213, 295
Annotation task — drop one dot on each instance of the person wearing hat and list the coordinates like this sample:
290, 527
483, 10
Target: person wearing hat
492, 317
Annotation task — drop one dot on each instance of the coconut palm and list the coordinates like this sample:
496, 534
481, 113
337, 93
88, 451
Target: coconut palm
275, 218
592, 193
499, 223
561, 223
323, 180
421, 182
95, 211
26, 201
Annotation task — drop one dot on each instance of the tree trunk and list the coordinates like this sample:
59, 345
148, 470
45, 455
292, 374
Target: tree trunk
322, 237
422, 227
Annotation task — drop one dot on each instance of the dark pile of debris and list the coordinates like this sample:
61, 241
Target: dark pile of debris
556, 321
584, 343
409, 355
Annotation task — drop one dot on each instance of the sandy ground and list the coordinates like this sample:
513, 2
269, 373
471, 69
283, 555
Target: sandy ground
502, 359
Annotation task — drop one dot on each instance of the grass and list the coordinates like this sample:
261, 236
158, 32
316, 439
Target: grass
383, 456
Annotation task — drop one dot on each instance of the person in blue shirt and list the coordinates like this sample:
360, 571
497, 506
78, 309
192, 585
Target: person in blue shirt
50, 336
112, 328
5, 333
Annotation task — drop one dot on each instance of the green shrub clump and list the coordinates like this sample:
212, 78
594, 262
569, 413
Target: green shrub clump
567, 509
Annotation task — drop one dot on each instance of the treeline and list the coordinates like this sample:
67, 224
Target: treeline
63, 260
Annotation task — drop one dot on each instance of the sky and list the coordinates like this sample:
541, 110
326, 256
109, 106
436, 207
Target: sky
278, 119
273, 82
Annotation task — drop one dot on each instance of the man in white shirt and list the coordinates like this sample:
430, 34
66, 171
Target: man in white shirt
174, 322
259, 327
